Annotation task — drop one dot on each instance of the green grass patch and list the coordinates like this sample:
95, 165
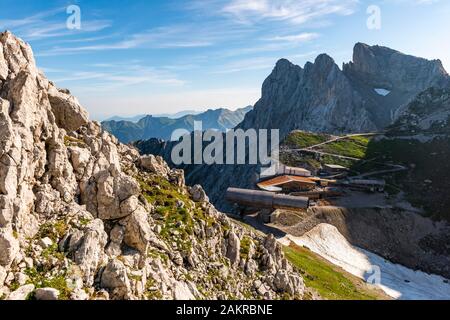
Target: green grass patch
326, 159
151, 292
300, 139
177, 222
74, 142
38, 277
328, 280
245, 247
54, 230
354, 147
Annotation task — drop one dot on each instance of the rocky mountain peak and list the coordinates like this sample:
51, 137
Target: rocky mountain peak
283, 64
15, 56
366, 95
385, 67
324, 61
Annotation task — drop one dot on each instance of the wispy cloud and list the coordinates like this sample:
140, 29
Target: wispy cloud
110, 76
42, 31
259, 63
32, 19
292, 11
45, 25
297, 38
158, 38
414, 2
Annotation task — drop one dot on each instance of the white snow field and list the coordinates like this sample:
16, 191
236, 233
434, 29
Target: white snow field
382, 92
396, 280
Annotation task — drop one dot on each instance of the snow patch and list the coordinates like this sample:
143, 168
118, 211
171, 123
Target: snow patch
382, 92
396, 280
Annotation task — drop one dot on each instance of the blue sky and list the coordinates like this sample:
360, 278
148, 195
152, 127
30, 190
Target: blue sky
134, 57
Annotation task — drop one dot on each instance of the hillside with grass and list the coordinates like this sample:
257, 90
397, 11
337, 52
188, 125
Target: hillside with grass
424, 183
352, 147
427, 180
330, 281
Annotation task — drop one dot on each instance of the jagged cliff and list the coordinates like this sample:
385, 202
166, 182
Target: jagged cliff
366, 95
83, 216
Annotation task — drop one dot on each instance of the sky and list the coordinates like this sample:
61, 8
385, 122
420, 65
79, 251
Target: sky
151, 57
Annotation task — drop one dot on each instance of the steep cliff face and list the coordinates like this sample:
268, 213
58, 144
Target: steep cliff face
400, 78
85, 217
383, 67
365, 96
318, 97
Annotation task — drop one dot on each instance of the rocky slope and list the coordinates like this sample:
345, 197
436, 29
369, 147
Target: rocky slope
366, 95
215, 179
428, 113
83, 216
163, 127
420, 140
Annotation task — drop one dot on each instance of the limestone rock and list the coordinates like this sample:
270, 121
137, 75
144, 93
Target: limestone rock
6, 211
138, 231
46, 294
111, 192
288, 282
79, 295
3, 275
115, 279
182, 292
67, 110
90, 254
80, 158
154, 164
21, 278
233, 248
129, 205
46, 242
21, 293
198, 194
15, 55
9, 247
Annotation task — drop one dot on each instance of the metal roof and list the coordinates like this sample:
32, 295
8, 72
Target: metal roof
281, 180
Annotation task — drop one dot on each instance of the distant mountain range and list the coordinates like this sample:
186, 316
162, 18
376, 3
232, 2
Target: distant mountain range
162, 127
161, 115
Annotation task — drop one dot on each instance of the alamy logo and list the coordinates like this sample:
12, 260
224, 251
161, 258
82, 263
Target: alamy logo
375, 275
74, 20
233, 147
374, 19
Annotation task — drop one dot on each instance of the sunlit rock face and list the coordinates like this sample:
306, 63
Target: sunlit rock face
320, 97
90, 218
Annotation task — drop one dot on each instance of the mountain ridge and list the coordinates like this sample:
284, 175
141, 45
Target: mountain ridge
162, 115
162, 127
320, 97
